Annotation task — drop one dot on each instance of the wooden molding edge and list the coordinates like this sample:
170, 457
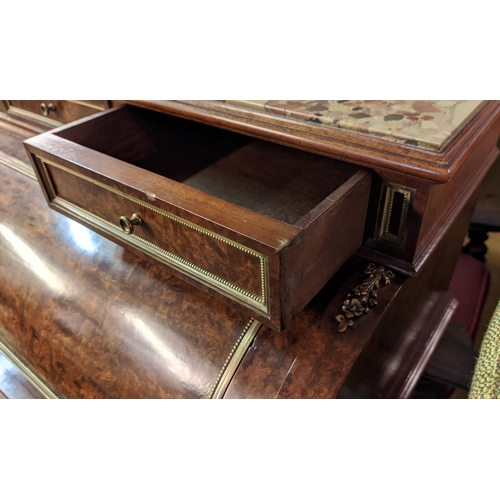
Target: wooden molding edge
339, 144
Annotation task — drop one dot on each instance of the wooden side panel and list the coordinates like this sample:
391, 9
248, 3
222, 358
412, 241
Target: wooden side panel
442, 198
330, 235
434, 207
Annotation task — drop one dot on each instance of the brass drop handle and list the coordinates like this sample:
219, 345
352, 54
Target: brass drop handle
128, 224
47, 109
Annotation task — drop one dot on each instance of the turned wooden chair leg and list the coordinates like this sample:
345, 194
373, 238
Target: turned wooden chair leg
476, 247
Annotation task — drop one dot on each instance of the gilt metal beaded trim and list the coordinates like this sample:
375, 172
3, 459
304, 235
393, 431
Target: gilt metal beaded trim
17, 165
260, 302
234, 359
47, 391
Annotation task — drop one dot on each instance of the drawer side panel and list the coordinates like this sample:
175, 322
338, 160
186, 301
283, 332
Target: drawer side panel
329, 238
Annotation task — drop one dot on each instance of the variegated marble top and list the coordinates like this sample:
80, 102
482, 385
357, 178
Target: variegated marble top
425, 124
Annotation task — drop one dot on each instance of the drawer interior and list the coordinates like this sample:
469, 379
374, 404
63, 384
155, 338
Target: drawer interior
273, 180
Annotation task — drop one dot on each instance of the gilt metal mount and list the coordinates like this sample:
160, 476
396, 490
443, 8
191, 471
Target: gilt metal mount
364, 296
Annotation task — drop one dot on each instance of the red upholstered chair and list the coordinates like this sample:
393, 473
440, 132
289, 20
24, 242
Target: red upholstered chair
469, 285
452, 363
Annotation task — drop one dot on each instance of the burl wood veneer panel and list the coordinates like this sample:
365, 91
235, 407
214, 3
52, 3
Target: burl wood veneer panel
95, 321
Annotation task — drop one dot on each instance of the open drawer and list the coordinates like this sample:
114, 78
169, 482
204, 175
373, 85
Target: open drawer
262, 225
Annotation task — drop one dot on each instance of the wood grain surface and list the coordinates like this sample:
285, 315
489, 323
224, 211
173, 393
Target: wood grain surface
95, 321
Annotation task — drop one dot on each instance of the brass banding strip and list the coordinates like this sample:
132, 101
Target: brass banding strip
234, 359
199, 269
17, 165
89, 105
46, 391
33, 116
259, 302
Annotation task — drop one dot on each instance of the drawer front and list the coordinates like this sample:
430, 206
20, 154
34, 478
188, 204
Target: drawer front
218, 262
253, 221
54, 112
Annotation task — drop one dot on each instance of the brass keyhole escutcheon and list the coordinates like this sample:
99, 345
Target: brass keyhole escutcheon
127, 225
46, 109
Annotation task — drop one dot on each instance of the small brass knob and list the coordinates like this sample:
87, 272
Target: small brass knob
47, 109
128, 224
